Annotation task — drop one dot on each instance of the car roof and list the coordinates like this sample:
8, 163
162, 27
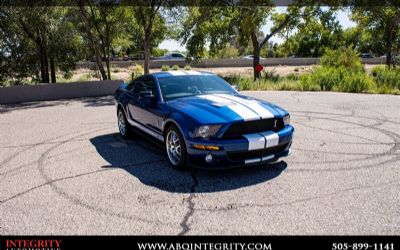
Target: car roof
166, 74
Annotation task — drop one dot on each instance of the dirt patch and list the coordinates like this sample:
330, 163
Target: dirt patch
125, 73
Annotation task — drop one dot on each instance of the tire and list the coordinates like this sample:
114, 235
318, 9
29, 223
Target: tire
125, 129
175, 148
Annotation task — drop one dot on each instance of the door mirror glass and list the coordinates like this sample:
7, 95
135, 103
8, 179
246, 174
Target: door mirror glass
148, 94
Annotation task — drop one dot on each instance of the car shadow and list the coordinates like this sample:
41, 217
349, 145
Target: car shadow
146, 160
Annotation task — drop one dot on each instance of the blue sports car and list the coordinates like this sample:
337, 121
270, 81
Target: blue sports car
202, 120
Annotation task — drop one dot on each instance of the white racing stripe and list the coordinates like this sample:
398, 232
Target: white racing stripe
241, 110
191, 72
271, 138
177, 73
256, 141
251, 104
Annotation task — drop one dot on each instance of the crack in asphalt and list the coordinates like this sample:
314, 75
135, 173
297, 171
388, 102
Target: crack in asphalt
51, 182
37, 144
190, 200
230, 207
79, 202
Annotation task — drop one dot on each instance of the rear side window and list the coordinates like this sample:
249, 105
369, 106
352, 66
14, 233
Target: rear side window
144, 84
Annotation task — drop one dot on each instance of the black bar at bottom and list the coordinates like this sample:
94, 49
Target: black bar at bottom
200, 242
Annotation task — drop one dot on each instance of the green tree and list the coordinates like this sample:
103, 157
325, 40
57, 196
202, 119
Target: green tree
151, 22
19, 54
361, 40
228, 52
36, 35
107, 27
382, 22
93, 41
318, 30
253, 18
111, 23
218, 25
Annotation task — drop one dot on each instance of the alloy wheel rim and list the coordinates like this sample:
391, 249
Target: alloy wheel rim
121, 123
173, 147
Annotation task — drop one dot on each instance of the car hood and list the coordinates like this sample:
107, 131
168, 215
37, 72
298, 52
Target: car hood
223, 108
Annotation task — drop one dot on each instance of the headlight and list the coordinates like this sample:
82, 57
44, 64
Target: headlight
206, 130
286, 120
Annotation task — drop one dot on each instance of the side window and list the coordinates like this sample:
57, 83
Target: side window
144, 84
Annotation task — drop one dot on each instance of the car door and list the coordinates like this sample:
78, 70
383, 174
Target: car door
145, 109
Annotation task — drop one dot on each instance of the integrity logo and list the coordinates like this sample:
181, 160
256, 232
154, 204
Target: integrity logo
22, 244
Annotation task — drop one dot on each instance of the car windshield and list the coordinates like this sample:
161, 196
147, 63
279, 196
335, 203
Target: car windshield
191, 85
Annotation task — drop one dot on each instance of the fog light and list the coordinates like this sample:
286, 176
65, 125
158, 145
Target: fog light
209, 158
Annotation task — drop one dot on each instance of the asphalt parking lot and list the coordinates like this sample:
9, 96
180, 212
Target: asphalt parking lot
65, 170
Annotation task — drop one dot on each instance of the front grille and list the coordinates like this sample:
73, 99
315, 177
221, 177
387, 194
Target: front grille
236, 130
244, 155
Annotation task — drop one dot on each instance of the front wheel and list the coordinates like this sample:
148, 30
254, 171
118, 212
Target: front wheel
176, 148
124, 127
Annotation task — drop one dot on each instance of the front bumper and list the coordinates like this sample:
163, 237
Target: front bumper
267, 147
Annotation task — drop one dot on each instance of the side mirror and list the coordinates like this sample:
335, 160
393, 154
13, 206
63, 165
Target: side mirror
147, 94
235, 87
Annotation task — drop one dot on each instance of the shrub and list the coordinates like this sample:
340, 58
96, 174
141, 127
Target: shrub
340, 70
342, 57
67, 74
116, 70
175, 67
385, 77
165, 68
187, 67
94, 71
245, 84
271, 75
289, 85
323, 78
233, 79
355, 82
136, 71
308, 83
338, 79
84, 77
293, 77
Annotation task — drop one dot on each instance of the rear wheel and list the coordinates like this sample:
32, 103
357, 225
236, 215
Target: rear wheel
124, 127
176, 148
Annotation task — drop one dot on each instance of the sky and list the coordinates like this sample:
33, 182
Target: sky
343, 17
